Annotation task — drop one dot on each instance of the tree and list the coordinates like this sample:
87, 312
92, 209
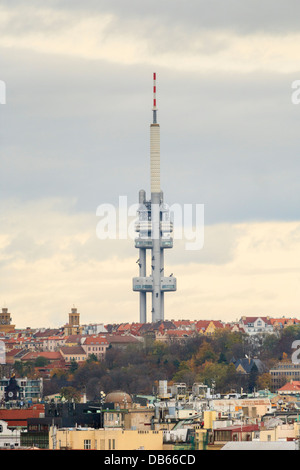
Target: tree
222, 375
204, 354
73, 366
264, 381
253, 375
92, 358
41, 361
24, 369
70, 394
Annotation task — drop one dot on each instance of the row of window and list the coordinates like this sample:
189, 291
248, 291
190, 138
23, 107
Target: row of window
87, 444
293, 373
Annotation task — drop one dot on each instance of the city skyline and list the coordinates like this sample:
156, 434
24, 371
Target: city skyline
74, 135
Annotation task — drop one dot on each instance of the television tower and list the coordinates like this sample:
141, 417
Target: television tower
154, 229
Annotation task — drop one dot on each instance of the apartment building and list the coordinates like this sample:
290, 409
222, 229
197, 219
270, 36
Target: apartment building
284, 372
95, 345
104, 439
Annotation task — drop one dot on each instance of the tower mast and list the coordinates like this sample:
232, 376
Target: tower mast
154, 228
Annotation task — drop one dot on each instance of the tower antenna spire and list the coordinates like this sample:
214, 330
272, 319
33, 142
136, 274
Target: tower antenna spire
154, 233
154, 99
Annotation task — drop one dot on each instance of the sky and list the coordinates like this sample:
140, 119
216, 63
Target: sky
74, 135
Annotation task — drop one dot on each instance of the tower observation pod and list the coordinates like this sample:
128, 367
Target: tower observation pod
154, 233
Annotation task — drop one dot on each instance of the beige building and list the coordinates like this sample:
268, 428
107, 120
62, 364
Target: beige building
73, 353
139, 418
248, 407
278, 433
104, 439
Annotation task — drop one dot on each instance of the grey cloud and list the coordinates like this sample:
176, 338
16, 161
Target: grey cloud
79, 129
242, 17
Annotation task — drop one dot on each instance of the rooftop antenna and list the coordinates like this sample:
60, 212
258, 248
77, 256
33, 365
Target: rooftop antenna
154, 100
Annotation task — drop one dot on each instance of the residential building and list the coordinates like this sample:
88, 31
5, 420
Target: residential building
50, 356
236, 433
123, 341
95, 345
73, 353
21, 389
139, 418
283, 372
53, 343
179, 336
104, 439
290, 388
246, 365
94, 329
9, 438
280, 323
17, 417
280, 432
241, 408
256, 325
114, 419
208, 327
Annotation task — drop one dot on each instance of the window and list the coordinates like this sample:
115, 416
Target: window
111, 444
87, 444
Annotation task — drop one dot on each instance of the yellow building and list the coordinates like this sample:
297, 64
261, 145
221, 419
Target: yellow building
104, 439
5, 322
139, 418
73, 327
209, 417
281, 432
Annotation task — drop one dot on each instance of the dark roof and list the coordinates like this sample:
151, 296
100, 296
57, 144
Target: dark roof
124, 339
248, 365
72, 350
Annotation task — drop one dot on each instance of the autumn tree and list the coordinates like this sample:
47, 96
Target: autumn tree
70, 394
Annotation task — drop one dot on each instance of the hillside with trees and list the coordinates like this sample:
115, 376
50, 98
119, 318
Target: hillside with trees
209, 360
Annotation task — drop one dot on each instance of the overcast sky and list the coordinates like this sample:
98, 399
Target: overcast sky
74, 134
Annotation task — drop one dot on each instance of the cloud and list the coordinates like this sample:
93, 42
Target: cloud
51, 259
198, 38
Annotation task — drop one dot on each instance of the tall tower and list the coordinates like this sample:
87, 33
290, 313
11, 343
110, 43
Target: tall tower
154, 229
73, 327
5, 321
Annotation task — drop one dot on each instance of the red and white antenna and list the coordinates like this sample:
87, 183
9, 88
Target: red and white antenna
154, 99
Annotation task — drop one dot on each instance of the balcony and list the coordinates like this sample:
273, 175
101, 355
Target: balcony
168, 284
142, 284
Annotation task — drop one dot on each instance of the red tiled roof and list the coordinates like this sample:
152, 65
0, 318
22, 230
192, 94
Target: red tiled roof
50, 355
123, 327
12, 352
95, 339
284, 320
293, 386
19, 416
202, 324
253, 319
178, 323
179, 332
